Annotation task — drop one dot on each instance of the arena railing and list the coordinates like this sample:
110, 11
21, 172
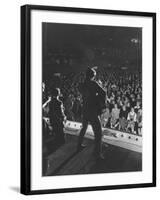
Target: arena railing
110, 136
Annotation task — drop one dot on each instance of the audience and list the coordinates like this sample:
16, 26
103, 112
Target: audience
123, 98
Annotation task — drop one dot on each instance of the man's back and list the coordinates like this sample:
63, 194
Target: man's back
92, 94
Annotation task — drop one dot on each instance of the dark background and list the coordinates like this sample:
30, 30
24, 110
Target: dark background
73, 47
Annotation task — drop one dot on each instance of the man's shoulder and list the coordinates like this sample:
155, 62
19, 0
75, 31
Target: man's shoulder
94, 83
59, 102
56, 101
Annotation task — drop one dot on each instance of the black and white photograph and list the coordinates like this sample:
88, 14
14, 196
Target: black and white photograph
88, 107
92, 99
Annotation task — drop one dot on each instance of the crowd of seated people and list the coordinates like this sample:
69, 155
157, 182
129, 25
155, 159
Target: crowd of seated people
123, 109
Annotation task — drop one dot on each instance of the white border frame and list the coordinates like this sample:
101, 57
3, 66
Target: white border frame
57, 182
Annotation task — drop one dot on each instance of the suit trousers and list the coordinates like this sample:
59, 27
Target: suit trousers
96, 126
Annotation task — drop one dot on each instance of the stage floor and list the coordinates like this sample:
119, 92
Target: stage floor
66, 161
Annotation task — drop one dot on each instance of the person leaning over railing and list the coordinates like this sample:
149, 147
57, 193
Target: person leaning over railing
131, 120
123, 118
115, 117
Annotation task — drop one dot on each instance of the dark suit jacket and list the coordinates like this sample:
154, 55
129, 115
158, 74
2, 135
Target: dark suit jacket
92, 94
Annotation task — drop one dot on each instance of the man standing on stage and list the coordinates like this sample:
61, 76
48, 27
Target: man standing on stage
57, 116
93, 97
